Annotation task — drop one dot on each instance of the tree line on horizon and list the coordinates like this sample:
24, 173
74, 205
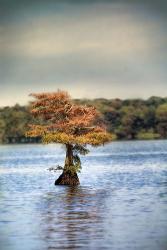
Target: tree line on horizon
125, 119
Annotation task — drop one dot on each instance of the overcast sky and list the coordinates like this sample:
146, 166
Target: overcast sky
90, 48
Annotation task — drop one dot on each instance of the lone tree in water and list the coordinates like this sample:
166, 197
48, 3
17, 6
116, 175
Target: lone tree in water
73, 125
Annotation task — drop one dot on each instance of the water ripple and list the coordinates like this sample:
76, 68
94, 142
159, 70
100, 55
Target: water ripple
120, 204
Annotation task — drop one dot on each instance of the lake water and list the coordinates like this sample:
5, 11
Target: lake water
120, 204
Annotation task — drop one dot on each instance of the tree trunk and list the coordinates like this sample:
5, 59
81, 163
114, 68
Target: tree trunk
68, 177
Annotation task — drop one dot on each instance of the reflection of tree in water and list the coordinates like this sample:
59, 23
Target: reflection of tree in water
73, 218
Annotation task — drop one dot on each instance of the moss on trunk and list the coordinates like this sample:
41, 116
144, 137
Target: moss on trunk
68, 177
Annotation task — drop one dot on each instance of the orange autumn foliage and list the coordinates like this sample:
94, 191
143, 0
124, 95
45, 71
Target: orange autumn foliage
65, 122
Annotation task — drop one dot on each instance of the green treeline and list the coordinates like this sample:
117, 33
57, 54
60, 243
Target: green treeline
126, 119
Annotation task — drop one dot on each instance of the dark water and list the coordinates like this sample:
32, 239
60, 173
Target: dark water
120, 204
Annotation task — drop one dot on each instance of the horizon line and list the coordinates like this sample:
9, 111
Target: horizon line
94, 99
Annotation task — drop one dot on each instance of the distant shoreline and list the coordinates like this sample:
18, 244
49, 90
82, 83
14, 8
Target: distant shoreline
118, 140
129, 119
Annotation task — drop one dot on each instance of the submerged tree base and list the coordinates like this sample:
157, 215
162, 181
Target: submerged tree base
66, 178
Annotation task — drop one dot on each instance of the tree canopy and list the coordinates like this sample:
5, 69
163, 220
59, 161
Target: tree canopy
63, 121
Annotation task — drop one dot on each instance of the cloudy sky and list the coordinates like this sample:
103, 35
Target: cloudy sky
115, 48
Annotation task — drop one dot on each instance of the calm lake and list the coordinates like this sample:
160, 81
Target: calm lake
120, 204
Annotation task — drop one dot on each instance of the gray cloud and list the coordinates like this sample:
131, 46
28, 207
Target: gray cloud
114, 49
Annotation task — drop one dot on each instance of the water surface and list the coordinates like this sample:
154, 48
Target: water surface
120, 204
